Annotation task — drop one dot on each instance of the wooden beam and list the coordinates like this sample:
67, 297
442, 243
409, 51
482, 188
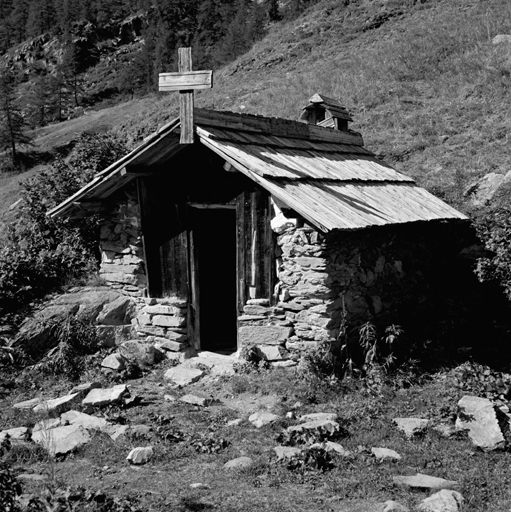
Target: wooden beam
186, 97
196, 80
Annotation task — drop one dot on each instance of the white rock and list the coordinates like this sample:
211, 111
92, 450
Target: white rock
502, 39
46, 424
183, 376
442, 501
114, 362
57, 404
273, 352
286, 452
411, 426
84, 420
62, 440
196, 400
234, 423
385, 453
319, 416
14, 434
199, 486
99, 397
394, 506
328, 425
445, 430
217, 364
83, 389
330, 446
421, 481
478, 416
261, 418
240, 462
28, 404
283, 364
140, 455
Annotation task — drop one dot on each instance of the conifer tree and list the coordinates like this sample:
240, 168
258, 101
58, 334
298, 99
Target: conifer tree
12, 123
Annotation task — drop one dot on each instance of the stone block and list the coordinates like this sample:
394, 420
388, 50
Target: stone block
171, 345
311, 262
161, 309
151, 330
140, 455
168, 321
258, 302
60, 404
264, 334
114, 362
62, 440
257, 310
99, 397
124, 269
118, 277
110, 335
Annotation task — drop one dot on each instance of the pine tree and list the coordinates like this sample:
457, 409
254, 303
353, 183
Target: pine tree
12, 123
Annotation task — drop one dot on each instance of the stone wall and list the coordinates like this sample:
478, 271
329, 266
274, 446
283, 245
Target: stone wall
122, 264
390, 275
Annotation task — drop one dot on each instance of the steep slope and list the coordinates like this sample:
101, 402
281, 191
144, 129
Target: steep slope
426, 86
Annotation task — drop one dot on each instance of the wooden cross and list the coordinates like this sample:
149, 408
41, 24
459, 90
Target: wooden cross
185, 81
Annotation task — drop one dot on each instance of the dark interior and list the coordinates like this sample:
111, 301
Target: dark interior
215, 238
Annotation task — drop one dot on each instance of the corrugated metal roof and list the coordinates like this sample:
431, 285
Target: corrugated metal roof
334, 185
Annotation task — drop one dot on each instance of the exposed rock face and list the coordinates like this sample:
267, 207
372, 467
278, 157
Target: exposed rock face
138, 352
479, 417
487, 188
37, 333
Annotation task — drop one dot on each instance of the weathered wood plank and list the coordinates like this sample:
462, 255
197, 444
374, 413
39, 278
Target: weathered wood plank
183, 81
186, 98
275, 126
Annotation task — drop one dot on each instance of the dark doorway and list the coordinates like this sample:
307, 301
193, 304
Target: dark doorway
214, 238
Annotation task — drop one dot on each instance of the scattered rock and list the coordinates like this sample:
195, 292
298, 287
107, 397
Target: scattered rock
319, 416
273, 352
261, 418
328, 425
140, 455
286, 452
394, 506
99, 397
15, 434
442, 501
115, 431
114, 362
283, 364
183, 376
170, 398
385, 453
217, 364
46, 424
421, 481
199, 486
27, 404
58, 404
330, 446
138, 352
411, 426
34, 477
484, 190
240, 462
83, 389
479, 417
62, 440
445, 430
502, 39
84, 420
140, 430
234, 423
196, 400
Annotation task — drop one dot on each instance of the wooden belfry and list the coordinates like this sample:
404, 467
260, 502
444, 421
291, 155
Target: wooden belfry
186, 81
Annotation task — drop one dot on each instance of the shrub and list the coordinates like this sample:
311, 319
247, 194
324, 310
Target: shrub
42, 253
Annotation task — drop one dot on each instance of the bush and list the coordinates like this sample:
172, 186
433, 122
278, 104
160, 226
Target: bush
42, 253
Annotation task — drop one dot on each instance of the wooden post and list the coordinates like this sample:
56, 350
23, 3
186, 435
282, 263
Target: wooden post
186, 81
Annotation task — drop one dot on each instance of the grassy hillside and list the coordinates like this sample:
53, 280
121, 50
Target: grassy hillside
426, 86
